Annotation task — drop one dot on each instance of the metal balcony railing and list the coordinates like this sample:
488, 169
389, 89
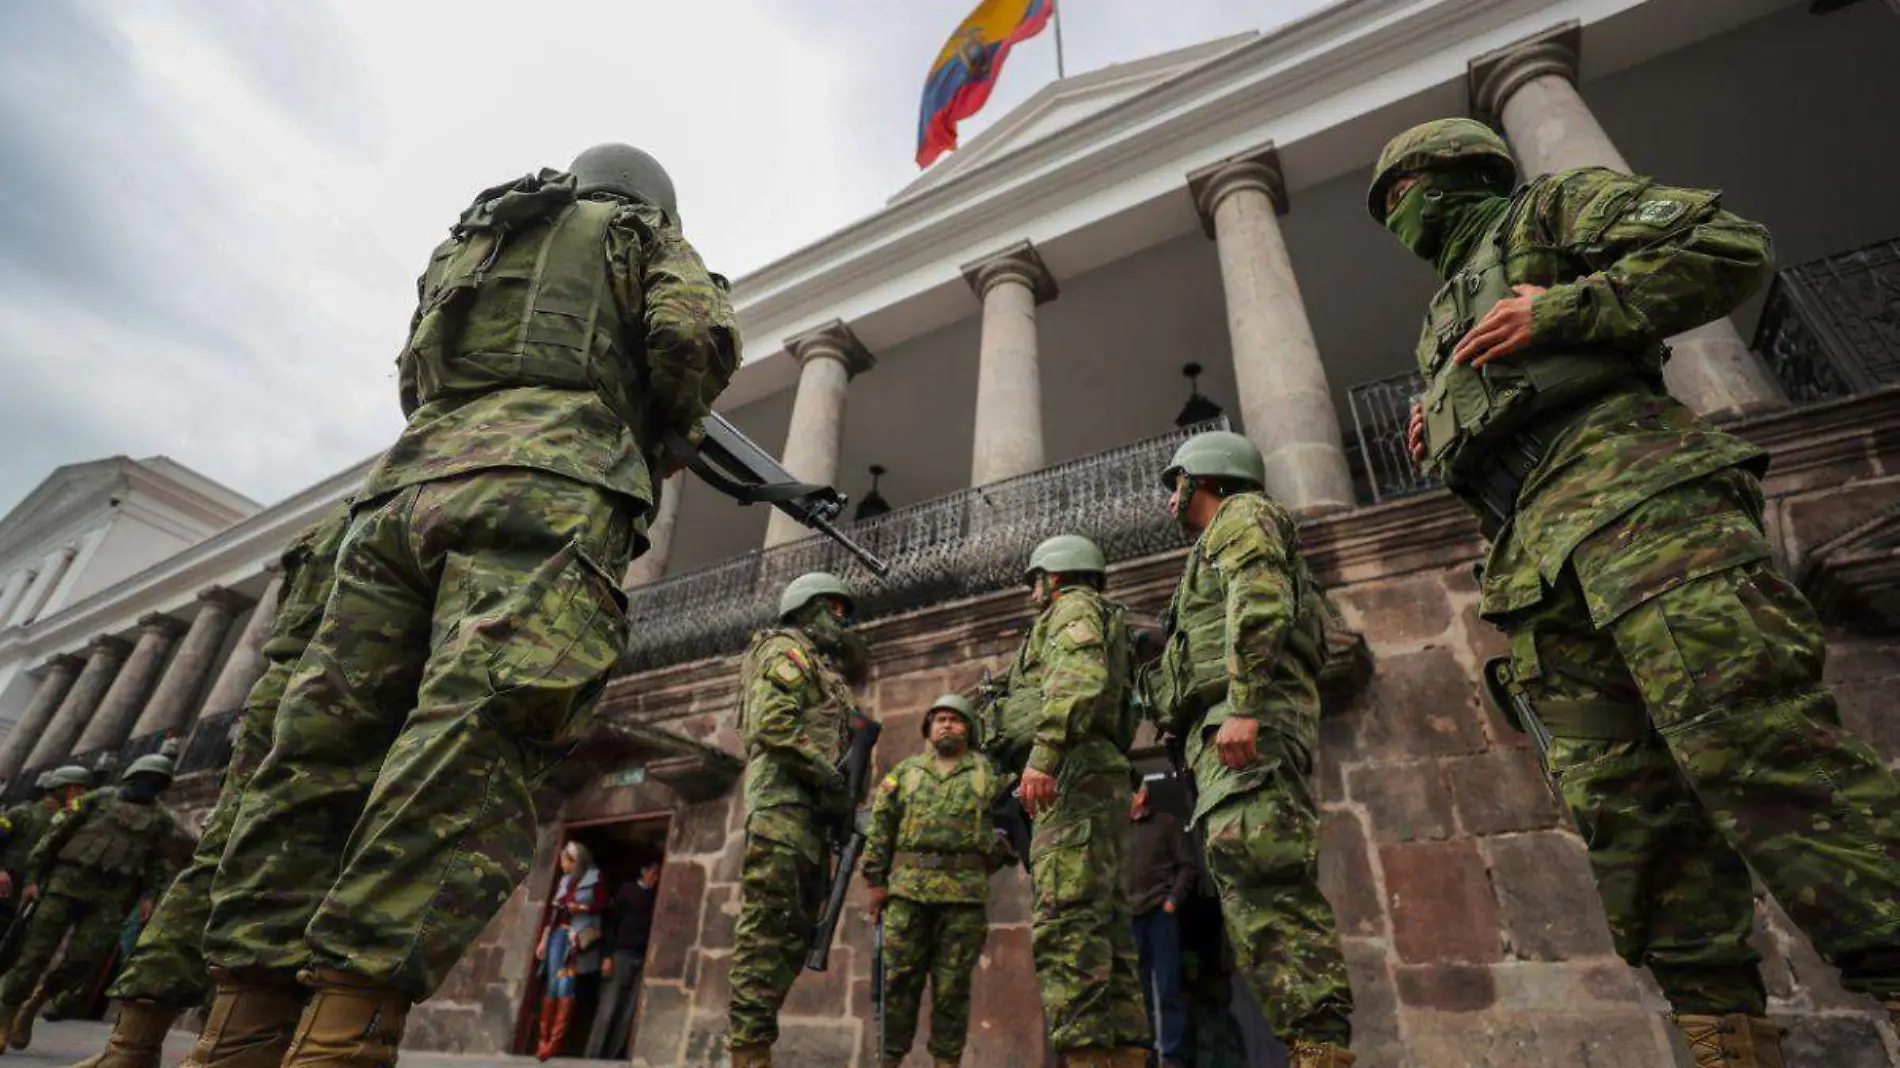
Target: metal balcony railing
1831, 326
972, 542
1381, 409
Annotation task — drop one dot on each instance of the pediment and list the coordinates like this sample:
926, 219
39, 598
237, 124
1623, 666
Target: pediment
67, 494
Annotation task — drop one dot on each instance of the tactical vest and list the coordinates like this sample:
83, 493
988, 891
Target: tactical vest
117, 838
520, 295
975, 815
1470, 412
1021, 707
827, 719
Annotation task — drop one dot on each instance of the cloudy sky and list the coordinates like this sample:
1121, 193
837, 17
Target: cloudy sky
212, 212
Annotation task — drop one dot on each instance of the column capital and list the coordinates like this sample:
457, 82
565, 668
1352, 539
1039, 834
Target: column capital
224, 597
107, 646
834, 340
62, 662
1491, 78
160, 623
1257, 169
1019, 262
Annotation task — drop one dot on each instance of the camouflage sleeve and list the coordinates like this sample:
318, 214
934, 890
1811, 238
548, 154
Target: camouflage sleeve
880, 843
1666, 260
1261, 602
407, 388
65, 822
773, 719
692, 338
1075, 674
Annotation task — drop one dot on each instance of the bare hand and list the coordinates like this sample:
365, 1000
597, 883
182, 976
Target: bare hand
6, 886
1168, 905
1037, 791
32, 892
874, 900
607, 966
145, 910
1415, 434
541, 950
1236, 742
1505, 329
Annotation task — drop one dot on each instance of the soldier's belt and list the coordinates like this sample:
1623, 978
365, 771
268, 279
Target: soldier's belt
941, 861
1498, 477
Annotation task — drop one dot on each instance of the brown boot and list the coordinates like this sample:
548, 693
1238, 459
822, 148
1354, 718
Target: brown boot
138, 1036
945, 1062
1319, 1055
555, 1015
7, 1013
1733, 1041
20, 1032
751, 1057
1089, 1057
1129, 1057
350, 1022
250, 1022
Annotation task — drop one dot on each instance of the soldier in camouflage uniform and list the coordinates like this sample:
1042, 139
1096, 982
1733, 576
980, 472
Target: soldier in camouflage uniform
1238, 686
110, 853
1677, 670
564, 330
165, 973
26, 823
927, 860
795, 712
1066, 721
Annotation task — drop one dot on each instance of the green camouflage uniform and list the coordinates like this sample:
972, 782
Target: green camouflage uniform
477, 611
167, 965
95, 864
1679, 671
1245, 637
1067, 698
795, 714
25, 823
933, 844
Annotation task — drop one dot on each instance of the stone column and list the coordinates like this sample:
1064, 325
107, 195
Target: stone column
1010, 284
1285, 400
1531, 87
56, 680
245, 665
103, 657
175, 700
652, 563
10, 594
112, 724
827, 357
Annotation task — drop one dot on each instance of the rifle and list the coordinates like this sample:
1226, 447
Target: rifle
16, 933
856, 768
877, 981
1006, 808
731, 463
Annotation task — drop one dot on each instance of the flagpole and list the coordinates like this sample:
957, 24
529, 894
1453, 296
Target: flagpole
1055, 15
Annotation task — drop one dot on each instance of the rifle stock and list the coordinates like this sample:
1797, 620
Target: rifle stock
856, 767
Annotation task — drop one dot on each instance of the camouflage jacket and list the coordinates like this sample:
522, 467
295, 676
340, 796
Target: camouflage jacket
795, 714
1626, 263
1245, 637
931, 837
25, 824
106, 848
307, 574
578, 363
1066, 696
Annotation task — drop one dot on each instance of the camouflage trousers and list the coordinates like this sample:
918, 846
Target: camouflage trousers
168, 965
95, 934
940, 943
1082, 932
471, 630
781, 888
1263, 854
1695, 743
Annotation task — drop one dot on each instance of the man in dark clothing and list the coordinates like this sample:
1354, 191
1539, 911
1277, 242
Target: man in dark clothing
629, 921
1160, 877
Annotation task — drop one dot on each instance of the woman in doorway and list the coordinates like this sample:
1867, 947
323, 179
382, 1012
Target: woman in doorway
569, 949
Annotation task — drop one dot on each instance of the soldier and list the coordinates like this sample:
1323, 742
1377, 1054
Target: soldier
927, 860
1067, 700
114, 850
1676, 670
26, 823
1238, 686
795, 712
564, 330
165, 974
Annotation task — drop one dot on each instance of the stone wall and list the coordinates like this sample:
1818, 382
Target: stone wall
1471, 926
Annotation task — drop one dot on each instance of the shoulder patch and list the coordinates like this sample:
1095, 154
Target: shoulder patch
790, 669
889, 783
1657, 212
1082, 632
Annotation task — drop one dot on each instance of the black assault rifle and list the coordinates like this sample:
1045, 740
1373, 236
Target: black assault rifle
731, 463
849, 840
1006, 808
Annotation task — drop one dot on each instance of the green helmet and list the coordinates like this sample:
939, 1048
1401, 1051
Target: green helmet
70, 775
800, 591
1217, 454
1066, 554
1441, 144
44, 782
150, 764
628, 171
953, 702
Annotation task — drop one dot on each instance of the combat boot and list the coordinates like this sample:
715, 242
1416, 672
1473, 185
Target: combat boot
1129, 1057
944, 1062
20, 1031
7, 1013
1089, 1057
350, 1022
1893, 1011
751, 1057
249, 1024
1733, 1041
138, 1036
1319, 1055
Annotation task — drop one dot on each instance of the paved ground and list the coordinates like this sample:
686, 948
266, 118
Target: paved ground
56, 1045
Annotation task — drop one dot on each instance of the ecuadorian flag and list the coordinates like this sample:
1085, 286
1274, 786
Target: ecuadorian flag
968, 67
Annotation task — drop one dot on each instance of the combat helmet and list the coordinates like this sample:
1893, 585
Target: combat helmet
1440, 145
951, 702
1217, 454
1066, 554
44, 782
149, 764
800, 591
69, 775
624, 169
